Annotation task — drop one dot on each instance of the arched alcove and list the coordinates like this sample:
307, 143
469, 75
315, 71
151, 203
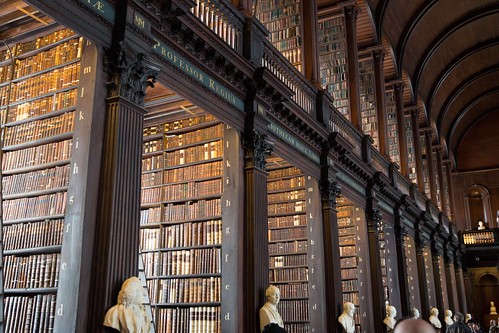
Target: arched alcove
477, 205
488, 291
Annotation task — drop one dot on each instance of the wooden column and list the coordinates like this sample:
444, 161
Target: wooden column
334, 295
450, 274
379, 79
402, 134
429, 161
423, 285
392, 266
417, 147
310, 56
461, 284
441, 180
401, 264
117, 231
351, 12
374, 220
438, 278
255, 243
82, 196
450, 188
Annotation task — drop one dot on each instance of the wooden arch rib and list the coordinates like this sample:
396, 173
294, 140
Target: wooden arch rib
475, 15
459, 89
380, 16
467, 108
409, 28
453, 64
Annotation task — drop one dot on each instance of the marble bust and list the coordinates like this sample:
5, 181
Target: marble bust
129, 315
389, 320
346, 318
434, 319
268, 312
415, 313
493, 310
448, 318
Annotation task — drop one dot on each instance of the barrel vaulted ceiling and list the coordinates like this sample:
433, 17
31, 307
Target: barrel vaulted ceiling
447, 54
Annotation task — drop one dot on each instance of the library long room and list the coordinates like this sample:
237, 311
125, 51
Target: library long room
216, 166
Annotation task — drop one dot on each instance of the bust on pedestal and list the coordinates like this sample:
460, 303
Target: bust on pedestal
389, 320
346, 318
415, 313
434, 319
448, 318
270, 319
129, 314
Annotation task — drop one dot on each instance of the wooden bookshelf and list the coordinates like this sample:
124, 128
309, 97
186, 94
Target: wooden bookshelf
391, 126
411, 152
181, 222
288, 244
333, 61
38, 84
349, 260
283, 19
368, 99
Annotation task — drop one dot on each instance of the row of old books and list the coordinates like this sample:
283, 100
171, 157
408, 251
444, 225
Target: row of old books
197, 136
294, 246
286, 207
45, 83
36, 180
199, 319
288, 195
32, 234
189, 290
37, 155
285, 184
29, 313
288, 260
182, 262
53, 57
62, 100
293, 290
293, 310
194, 154
39, 129
287, 221
34, 271
32, 207
43, 41
288, 274
285, 234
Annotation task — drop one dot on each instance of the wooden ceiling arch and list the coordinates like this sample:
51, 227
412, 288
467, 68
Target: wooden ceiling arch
492, 70
454, 64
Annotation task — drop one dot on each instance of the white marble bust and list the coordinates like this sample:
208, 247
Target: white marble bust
448, 318
268, 312
389, 320
129, 315
434, 318
415, 313
346, 318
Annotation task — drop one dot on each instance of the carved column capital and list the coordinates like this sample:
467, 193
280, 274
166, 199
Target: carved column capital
130, 73
376, 218
331, 191
379, 55
399, 87
256, 147
352, 11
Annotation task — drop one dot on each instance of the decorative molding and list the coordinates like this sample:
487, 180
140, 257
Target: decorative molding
332, 191
257, 147
130, 74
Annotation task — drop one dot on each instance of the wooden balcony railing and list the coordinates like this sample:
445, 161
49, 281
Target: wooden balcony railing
481, 237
